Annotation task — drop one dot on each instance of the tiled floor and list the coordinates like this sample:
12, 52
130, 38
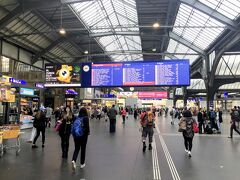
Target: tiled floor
119, 156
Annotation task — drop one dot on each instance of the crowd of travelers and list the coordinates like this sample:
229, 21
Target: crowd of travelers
76, 122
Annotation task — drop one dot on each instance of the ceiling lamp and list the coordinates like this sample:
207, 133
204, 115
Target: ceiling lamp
86, 52
154, 50
156, 25
62, 31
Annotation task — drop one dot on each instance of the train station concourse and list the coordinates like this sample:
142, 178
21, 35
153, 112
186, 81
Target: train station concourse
119, 89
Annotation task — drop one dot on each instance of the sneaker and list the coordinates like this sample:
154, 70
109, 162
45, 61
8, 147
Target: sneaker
74, 165
43, 146
34, 146
186, 151
189, 154
83, 165
229, 137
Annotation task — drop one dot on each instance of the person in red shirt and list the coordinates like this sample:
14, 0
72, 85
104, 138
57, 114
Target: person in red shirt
124, 113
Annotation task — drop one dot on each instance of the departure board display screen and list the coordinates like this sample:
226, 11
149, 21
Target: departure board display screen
141, 73
62, 75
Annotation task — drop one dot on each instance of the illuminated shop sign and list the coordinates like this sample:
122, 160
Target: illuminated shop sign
39, 85
18, 81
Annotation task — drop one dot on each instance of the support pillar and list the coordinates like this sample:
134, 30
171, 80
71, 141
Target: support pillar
185, 97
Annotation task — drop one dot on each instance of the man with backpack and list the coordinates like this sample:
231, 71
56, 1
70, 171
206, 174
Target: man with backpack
234, 118
147, 123
212, 116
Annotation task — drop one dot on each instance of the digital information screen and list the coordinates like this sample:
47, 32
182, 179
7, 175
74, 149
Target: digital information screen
62, 75
143, 73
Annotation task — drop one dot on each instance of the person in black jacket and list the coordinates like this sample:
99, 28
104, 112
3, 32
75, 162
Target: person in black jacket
65, 130
200, 121
81, 142
39, 124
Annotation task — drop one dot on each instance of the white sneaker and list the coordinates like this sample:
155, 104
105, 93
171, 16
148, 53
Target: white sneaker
73, 165
83, 165
189, 154
186, 151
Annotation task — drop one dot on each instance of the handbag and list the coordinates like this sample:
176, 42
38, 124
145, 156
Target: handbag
195, 128
58, 125
182, 126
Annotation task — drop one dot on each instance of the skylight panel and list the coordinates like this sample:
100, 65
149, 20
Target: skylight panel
194, 20
229, 8
111, 16
175, 47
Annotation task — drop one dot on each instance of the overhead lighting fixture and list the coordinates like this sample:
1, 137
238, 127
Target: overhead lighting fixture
86, 52
154, 50
156, 25
62, 31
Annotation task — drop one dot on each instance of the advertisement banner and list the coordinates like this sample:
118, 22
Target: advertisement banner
63, 75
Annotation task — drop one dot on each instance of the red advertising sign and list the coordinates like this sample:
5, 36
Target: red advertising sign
158, 95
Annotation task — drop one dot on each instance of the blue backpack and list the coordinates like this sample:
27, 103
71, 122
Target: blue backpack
77, 128
212, 114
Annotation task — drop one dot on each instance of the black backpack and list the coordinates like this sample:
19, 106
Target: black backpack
208, 129
235, 116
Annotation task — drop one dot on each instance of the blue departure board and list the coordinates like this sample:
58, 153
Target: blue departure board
140, 73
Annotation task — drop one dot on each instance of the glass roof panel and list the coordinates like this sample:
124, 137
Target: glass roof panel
111, 16
194, 32
233, 62
197, 84
229, 8
175, 47
235, 85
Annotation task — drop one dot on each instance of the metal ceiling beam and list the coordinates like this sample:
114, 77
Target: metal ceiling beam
172, 56
131, 52
51, 46
74, 1
122, 33
50, 24
210, 12
15, 13
39, 4
186, 43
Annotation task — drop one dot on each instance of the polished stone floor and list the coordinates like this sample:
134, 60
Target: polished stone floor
119, 156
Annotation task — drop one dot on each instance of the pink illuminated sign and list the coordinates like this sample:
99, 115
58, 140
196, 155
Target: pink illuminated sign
159, 95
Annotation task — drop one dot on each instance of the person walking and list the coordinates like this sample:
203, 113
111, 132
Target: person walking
49, 112
135, 113
188, 132
234, 118
172, 114
219, 119
147, 123
39, 124
112, 114
80, 140
123, 113
200, 121
99, 113
65, 130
